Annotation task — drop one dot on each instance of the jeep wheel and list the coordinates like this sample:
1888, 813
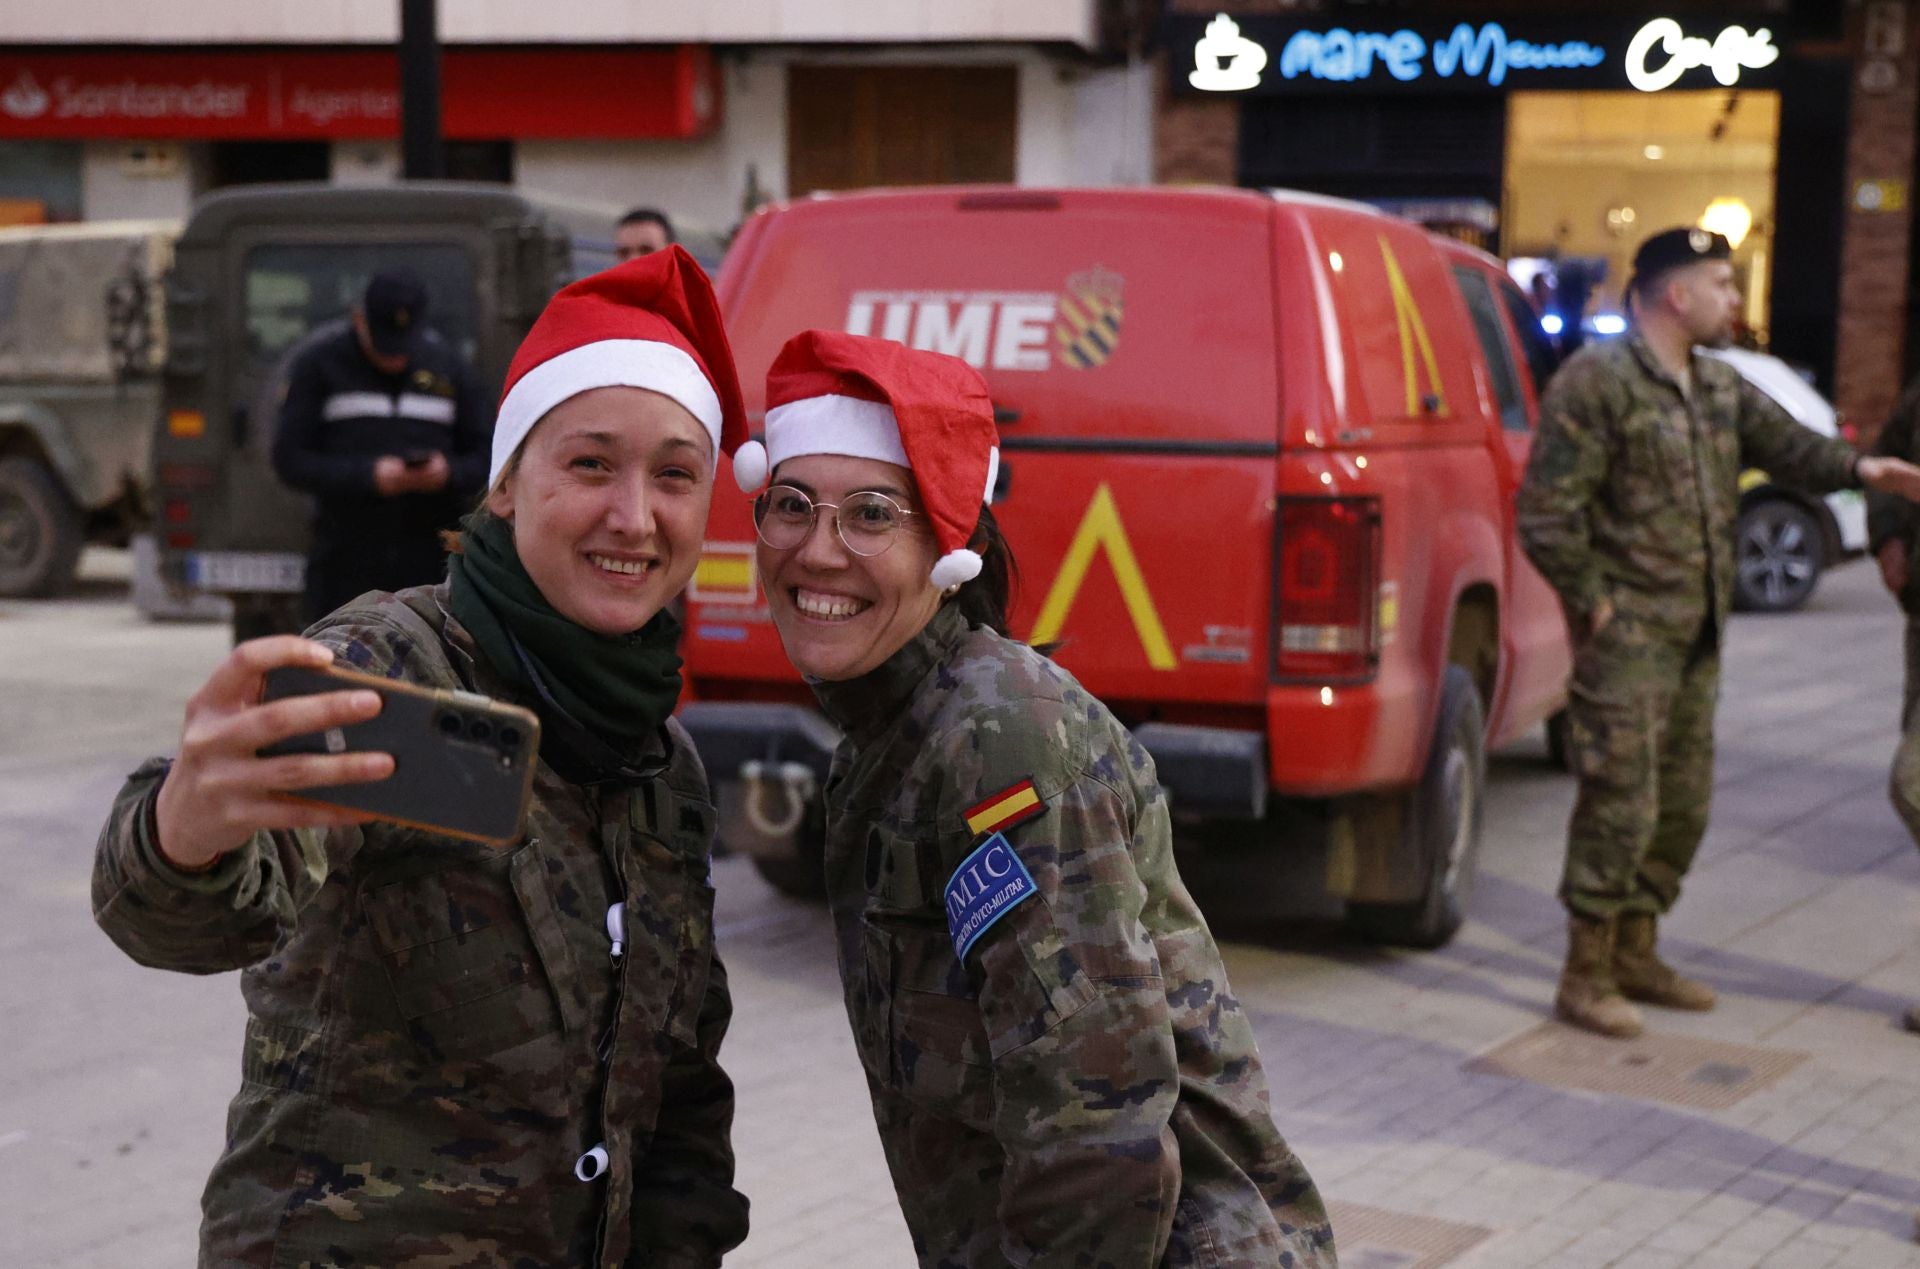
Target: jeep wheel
40, 531
1779, 555
1443, 827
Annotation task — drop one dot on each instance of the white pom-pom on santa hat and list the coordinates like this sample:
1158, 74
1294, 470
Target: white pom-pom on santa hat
955, 567
864, 397
750, 466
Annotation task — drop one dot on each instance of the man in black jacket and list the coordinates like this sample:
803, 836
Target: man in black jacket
385, 426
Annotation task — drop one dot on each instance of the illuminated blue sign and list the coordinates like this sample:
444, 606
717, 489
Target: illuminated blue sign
1488, 53
1266, 55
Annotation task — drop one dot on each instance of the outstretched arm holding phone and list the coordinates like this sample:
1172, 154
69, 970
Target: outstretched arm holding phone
200, 864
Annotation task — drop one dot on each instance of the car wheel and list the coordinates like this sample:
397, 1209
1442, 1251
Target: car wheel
41, 532
1779, 556
1443, 827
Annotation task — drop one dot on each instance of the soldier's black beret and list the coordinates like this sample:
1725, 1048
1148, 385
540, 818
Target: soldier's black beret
1673, 247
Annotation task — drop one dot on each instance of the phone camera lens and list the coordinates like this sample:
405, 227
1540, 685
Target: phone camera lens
479, 729
449, 724
509, 737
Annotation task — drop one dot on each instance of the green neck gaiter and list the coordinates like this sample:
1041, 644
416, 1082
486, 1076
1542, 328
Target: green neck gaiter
617, 689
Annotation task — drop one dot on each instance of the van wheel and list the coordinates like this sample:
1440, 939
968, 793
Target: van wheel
801, 873
41, 532
1443, 827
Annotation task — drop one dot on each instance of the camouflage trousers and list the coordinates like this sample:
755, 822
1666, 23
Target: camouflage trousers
1903, 785
1640, 739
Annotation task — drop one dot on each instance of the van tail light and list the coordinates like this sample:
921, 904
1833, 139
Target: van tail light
1326, 595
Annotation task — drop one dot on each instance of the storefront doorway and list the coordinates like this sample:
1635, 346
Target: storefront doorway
1590, 174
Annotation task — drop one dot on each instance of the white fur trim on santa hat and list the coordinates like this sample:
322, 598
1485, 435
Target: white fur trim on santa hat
993, 474
606, 363
833, 424
954, 568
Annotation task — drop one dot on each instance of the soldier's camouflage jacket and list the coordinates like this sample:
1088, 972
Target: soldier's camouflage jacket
1889, 516
437, 1030
1634, 487
1084, 1090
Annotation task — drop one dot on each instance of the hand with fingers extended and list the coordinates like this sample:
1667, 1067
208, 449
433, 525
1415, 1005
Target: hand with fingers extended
220, 792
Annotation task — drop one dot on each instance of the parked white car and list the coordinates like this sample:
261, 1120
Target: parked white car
1787, 538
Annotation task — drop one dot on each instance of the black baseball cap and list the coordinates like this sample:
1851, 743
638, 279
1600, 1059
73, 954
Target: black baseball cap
395, 306
1671, 248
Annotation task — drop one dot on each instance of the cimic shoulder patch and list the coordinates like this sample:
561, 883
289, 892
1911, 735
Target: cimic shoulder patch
987, 885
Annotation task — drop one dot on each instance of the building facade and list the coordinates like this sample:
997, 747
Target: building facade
702, 110
1561, 133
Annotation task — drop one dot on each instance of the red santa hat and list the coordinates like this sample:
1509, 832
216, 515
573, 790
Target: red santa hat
833, 393
650, 323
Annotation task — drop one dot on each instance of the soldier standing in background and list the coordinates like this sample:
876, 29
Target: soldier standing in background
1891, 528
386, 427
1628, 509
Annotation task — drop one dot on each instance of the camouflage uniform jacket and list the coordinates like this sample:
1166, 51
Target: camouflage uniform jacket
1634, 486
1889, 516
1084, 1089
437, 1030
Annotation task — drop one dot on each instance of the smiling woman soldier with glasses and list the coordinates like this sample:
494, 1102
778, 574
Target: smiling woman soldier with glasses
1058, 1069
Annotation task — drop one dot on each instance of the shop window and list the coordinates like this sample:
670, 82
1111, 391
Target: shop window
39, 182
849, 127
253, 162
1492, 335
1589, 175
1424, 147
480, 161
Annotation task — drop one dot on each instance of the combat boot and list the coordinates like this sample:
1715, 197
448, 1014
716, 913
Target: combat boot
1643, 976
1588, 997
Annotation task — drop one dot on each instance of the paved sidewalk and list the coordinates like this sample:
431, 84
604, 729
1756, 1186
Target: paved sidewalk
1448, 1124
1804, 910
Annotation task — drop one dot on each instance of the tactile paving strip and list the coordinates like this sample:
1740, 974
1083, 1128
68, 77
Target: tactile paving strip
1375, 1238
1684, 1070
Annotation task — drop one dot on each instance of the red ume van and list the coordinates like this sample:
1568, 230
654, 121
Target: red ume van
1258, 458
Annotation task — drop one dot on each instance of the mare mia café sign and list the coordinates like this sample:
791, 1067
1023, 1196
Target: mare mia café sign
1270, 56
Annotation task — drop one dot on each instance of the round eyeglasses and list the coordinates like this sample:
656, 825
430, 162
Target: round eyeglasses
867, 523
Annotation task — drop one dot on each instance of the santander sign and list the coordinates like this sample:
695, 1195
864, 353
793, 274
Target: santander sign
1661, 52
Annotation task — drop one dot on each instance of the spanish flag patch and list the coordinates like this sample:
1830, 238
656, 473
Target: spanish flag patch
1004, 809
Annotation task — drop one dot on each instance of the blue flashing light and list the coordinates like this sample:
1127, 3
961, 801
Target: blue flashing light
1609, 324
1552, 324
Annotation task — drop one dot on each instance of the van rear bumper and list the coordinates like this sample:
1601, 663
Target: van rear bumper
1211, 771
1335, 740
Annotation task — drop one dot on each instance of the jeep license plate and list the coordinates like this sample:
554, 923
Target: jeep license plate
242, 571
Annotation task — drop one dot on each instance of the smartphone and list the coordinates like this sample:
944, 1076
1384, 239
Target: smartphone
463, 763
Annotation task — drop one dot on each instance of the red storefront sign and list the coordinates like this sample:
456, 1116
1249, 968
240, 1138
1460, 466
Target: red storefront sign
485, 94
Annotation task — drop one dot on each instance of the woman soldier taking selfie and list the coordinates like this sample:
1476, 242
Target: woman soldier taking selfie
1059, 1072
456, 1054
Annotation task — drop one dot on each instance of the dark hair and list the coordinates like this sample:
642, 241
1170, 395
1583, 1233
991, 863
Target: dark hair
649, 216
988, 598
